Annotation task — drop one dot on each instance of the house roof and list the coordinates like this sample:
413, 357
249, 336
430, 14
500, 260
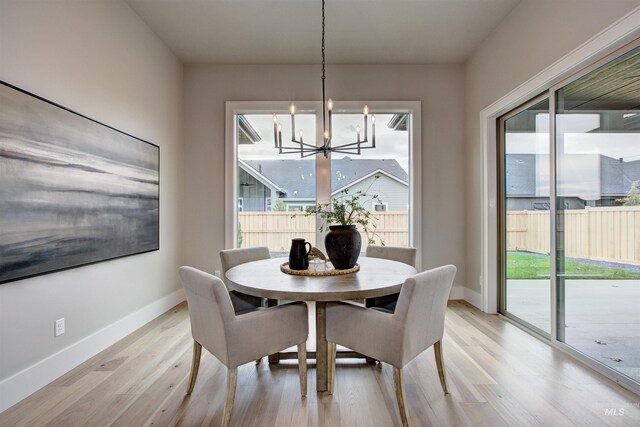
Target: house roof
246, 133
296, 177
257, 175
398, 121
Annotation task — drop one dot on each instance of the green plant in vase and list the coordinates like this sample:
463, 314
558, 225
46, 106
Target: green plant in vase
341, 216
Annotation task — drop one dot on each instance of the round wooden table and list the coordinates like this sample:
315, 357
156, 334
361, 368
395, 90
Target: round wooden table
377, 277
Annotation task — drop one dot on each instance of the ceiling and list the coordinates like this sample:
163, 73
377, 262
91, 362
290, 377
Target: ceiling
288, 31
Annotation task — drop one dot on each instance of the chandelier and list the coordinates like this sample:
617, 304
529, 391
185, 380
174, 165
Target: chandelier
298, 146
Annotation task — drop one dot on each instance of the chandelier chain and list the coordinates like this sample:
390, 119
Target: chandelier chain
323, 60
324, 124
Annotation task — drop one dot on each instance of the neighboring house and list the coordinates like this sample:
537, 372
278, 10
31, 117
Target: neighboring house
292, 181
586, 180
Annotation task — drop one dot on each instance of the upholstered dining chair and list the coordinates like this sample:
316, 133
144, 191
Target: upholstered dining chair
394, 253
238, 339
232, 257
395, 338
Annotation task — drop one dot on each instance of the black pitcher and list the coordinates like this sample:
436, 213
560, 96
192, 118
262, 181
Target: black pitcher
299, 255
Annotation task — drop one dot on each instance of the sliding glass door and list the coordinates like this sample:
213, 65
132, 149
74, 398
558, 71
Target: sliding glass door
570, 215
598, 214
525, 216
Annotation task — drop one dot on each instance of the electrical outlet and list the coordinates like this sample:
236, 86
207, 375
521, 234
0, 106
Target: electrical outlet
217, 273
59, 327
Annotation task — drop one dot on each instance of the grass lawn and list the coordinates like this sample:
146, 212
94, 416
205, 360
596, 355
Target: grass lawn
522, 265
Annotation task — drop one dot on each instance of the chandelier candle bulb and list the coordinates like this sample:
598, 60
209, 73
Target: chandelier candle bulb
366, 114
275, 130
293, 122
301, 145
280, 136
330, 108
373, 131
358, 133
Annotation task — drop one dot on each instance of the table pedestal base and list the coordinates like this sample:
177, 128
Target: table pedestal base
320, 355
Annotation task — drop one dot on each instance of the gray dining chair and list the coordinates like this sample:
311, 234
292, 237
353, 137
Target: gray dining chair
395, 338
393, 253
238, 339
232, 257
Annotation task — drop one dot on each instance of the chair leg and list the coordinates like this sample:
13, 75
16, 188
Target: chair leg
398, 383
195, 365
331, 368
273, 358
437, 349
302, 368
232, 377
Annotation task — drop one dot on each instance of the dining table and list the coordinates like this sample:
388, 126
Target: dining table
376, 277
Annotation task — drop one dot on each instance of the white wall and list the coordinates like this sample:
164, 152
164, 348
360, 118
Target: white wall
531, 38
439, 88
99, 59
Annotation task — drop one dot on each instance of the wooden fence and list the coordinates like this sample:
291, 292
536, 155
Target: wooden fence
276, 229
603, 234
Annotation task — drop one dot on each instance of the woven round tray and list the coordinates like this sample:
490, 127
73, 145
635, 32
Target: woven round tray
285, 269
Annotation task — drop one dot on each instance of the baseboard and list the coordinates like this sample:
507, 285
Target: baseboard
474, 298
22, 384
457, 292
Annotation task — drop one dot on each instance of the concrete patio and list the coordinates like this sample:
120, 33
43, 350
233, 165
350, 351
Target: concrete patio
605, 311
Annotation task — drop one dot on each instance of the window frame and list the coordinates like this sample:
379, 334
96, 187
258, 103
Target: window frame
323, 166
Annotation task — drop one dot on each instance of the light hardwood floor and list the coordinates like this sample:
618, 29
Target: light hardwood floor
498, 375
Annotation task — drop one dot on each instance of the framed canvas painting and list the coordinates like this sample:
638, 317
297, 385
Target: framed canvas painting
73, 191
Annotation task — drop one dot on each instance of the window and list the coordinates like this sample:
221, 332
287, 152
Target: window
381, 207
277, 188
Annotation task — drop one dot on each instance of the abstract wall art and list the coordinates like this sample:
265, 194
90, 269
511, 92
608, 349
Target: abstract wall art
73, 191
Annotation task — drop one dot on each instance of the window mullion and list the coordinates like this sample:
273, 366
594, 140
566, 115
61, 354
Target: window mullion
323, 176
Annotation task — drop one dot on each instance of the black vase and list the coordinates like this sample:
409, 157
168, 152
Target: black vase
343, 243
